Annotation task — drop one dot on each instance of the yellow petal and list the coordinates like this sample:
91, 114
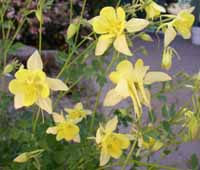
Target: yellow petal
121, 45
124, 140
100, 25
30, 96
99, 135
58, 118
16, 86
121, 14
77, 139
155, 76
79, 106
114, 96
111, 125
56, 84
114, 77
52, 130
136, 24
35, 62
124, 66
104, 158
44, 90
88, 112
103, 44
159, 7
170, 35
108, 13
45, 104
18, 101
140, 70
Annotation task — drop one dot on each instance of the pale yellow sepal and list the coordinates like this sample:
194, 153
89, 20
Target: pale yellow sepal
121, 45
170, 35
111, 125
103, 44
104, 158
136, 24
45, 104
35, 62
156, 76
56, 84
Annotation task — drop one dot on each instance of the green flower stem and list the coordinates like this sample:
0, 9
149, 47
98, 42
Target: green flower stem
79, 23
40, 37
71, 11
129, 155
36, 120
115, 56
154, 165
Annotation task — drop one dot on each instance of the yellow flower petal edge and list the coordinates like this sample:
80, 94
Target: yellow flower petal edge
130, 82
112, 144
111, 24
32, 86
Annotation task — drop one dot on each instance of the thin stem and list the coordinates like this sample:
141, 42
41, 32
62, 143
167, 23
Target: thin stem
118, 3
154, 165
129, 155
36, 120
79, 23
40, 26
71, 11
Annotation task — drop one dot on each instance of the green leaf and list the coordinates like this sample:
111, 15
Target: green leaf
194, 162
152, 116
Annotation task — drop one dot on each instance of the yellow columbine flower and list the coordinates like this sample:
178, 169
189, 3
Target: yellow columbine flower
77, 112
182, 23
111, 24
65, 128
111, 143
130, 83
33, 86
153, 10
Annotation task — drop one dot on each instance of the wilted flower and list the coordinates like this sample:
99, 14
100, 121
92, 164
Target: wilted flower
112, 24
111, 143
33, 86
153, 10
78, 112
130, 83
65, 128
